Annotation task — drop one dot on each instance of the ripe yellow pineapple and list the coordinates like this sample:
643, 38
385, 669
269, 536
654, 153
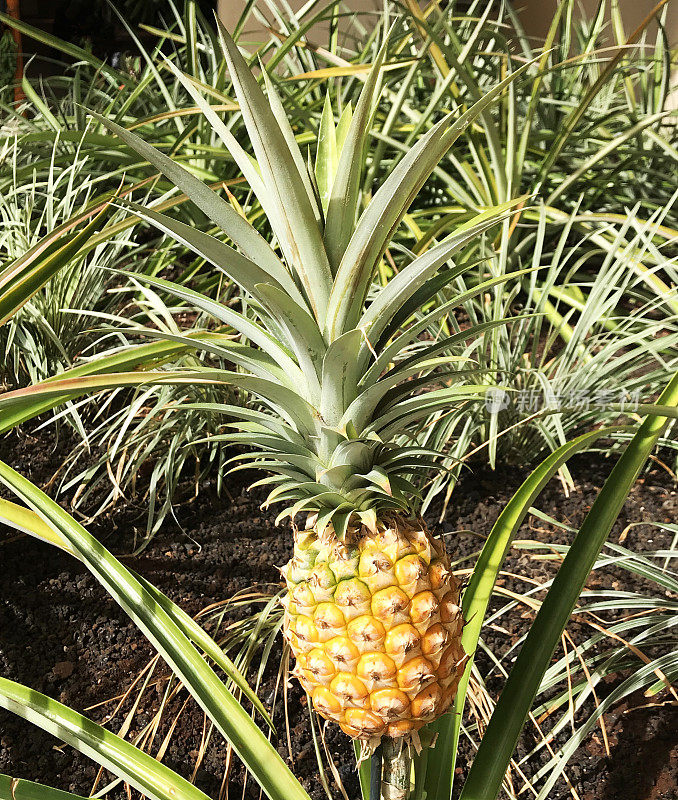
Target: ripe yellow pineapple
375, 625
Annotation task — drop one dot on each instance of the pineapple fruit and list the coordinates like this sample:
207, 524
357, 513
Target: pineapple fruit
343, 378
375, 625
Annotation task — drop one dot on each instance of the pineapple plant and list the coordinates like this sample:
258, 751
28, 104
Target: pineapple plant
343, 378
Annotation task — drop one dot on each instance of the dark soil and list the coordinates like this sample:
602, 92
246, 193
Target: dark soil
62, 635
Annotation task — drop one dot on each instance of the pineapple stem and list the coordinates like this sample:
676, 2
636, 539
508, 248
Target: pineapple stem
395, 782
375, 774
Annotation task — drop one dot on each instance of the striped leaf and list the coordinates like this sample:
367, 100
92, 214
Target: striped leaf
230, 718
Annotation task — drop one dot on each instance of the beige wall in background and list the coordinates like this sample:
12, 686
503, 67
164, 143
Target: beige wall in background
536, 14
230, 10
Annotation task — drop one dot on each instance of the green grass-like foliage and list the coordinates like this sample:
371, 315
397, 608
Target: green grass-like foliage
329, 344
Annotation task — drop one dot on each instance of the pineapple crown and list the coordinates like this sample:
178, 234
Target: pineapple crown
335, 360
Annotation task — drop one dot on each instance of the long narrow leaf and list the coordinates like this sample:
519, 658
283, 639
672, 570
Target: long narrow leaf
414, 275
494, 754
15, 405
245, 272
152, 778
20, 789
256, 752
440, 770
208, 201
344, 198
27, 521
386, 210
25, 276
299, 232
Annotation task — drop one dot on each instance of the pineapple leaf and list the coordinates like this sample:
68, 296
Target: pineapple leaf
363, 407
264, 439
290, 405
442, 345
340, 375
239, 268
344, 201
281, 116
386, 210
400, 288
379, 477
208, 201
414, 408
248, 328
255, 360
298, 232
241, 412
302, 332
404, 391
424, 294
326, 156
248, 165
343, 127
391, 352
286, 402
